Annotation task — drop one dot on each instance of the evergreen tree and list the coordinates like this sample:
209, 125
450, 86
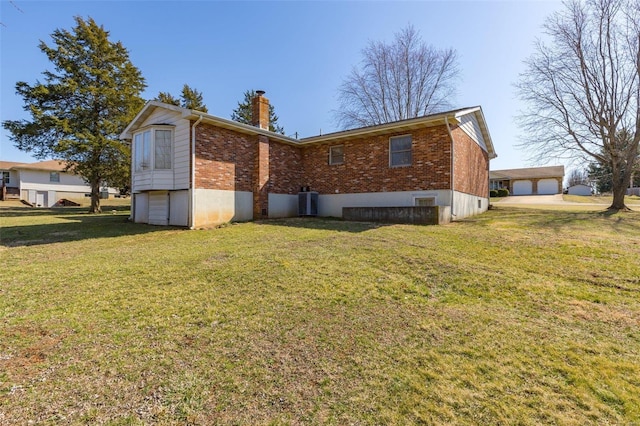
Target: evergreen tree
79, 111
189, 98
192, 99
242, 114
167, 98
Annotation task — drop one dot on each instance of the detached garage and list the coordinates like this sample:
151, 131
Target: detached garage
530, 181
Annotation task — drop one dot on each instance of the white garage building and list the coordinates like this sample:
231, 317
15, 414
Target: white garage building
529, 181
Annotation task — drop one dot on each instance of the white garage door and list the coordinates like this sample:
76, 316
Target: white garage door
522, 187
548, 187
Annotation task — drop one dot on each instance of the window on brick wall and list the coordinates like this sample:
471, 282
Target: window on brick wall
400, 151
336, 155
152, 149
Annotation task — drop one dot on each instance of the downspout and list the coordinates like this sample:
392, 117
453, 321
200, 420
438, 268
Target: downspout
446, 122
192, 201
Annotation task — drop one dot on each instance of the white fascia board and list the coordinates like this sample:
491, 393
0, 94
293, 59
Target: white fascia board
148, 108
477, 111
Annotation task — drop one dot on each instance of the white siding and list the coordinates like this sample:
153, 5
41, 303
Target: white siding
179, 208
470, 126
140, 207
158, 208
579, 190
178, 176
39, 180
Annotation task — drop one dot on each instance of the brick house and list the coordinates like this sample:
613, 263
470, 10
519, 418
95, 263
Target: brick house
194, 169
529, 181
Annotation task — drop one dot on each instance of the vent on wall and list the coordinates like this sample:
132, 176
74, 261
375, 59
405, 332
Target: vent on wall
307, 204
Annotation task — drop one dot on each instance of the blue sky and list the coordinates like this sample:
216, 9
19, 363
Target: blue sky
298, 52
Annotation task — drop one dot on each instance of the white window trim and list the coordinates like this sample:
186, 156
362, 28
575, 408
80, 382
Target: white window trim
391, 152
331, 161
52, 174
150, 166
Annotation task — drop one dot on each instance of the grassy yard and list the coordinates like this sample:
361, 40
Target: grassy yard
518, 316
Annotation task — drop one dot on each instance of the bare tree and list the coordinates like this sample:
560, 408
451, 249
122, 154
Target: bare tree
583, 88
403, 79
578, 177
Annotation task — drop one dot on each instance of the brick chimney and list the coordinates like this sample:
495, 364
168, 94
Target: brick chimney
260, 110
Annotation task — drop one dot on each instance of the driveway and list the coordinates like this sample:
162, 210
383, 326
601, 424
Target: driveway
534, 199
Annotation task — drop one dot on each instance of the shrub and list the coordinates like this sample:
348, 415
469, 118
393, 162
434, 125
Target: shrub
503, 192
493, 193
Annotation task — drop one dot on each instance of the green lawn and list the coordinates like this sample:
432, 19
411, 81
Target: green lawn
518, 316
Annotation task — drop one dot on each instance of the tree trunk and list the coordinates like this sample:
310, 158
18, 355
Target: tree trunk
95, 197
619, 188
618, 198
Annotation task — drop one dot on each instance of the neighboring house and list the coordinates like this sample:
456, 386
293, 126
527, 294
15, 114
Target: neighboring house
529, 181
579, 189
44, 183
194, 169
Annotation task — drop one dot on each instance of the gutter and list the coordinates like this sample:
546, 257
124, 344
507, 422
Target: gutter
446, 122
192, 201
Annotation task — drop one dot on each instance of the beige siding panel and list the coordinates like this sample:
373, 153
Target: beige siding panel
159, 208
140, 207
470, 126
179, 208
178, 176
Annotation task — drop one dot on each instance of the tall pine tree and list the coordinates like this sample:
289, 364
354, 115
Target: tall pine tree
79, 111
189, 98
242, 114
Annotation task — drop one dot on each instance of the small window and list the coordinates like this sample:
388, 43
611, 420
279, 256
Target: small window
163, 149
336, 155
5, 178
400, 151
54, 177
479, 204
425, 201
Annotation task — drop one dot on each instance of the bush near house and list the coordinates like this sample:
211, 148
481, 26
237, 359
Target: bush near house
503, 192
315, 321
493, 193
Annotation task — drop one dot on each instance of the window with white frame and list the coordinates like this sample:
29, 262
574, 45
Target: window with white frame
336, 154
152, 149
400, 151
5, 178
54, 176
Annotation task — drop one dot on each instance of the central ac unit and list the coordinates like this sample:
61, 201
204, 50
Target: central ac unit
307, 204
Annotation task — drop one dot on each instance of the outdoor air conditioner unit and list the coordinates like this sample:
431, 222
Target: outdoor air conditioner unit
307, 204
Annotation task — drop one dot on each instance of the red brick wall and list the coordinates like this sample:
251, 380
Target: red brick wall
471, 165
224, 159
366, 164
261, 178
285, 168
